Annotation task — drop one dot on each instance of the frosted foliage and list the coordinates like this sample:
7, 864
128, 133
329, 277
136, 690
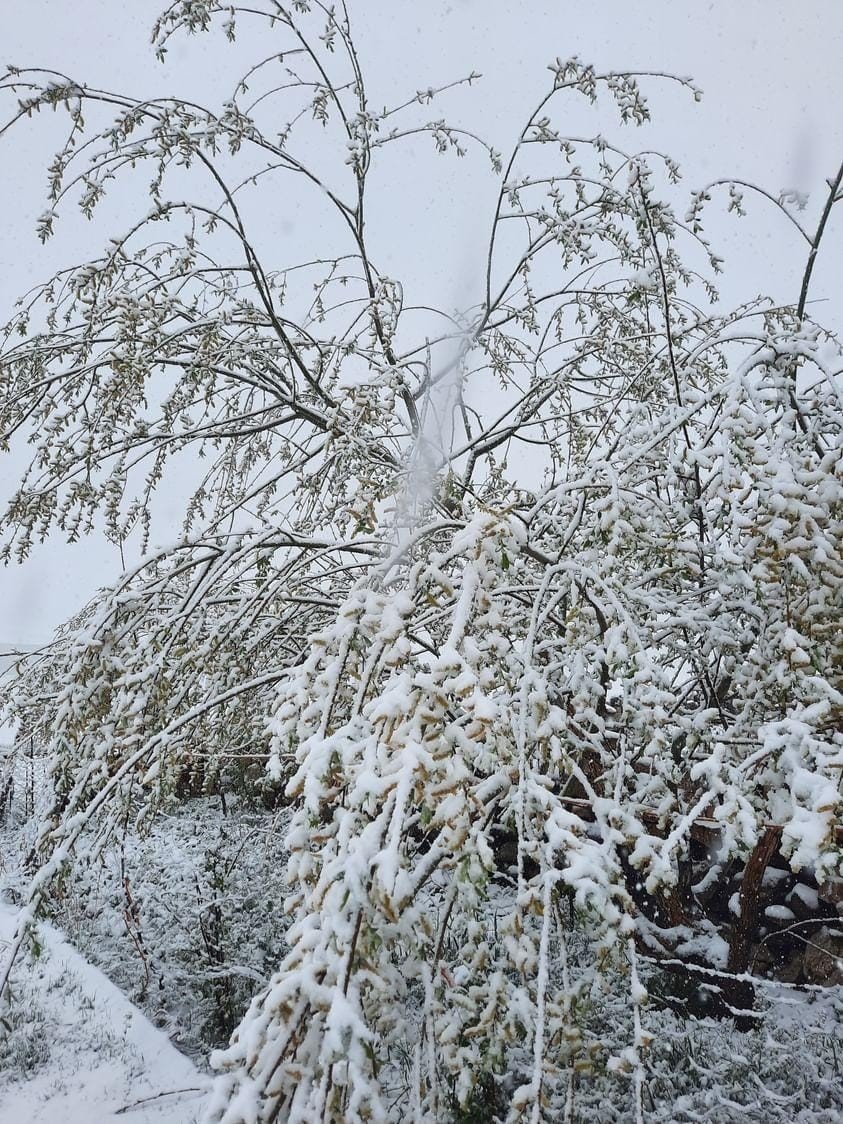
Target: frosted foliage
509, 608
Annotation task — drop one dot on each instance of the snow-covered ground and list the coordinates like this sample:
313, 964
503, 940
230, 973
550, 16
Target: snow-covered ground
78, 1052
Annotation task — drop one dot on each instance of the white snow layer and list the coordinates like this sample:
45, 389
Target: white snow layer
107, 1062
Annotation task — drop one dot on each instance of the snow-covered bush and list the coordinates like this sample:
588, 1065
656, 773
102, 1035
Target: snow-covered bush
187, 919
534, 617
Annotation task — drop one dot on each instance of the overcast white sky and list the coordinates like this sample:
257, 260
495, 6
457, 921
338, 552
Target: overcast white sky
771, 72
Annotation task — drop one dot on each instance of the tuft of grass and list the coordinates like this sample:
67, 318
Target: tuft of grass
26, 1032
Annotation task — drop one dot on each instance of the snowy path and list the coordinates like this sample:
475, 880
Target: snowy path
101, 1053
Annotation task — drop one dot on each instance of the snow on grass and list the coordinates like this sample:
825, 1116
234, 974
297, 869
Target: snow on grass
74, 1049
